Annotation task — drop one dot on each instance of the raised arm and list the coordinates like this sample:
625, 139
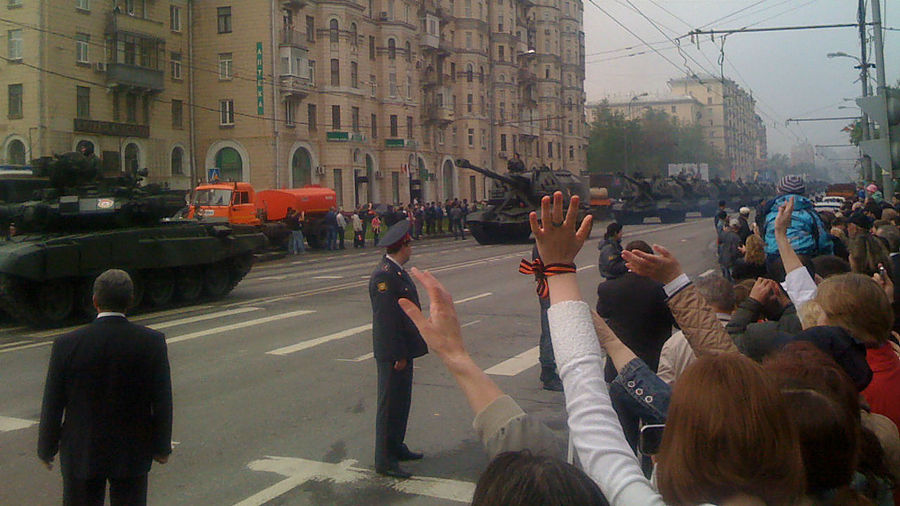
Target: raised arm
798, 283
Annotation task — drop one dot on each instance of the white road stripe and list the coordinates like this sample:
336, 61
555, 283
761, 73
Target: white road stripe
475, 297
272, 278
517, 364
236, 326
586, 267
299, 471
203, 317
469, 324
328, 277
707, 273
9, 424
26, 346
320, 340
360, 358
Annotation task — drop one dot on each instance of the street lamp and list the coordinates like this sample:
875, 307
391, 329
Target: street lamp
866, 165
625, 131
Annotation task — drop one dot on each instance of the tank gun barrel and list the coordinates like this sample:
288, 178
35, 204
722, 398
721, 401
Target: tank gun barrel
465, 164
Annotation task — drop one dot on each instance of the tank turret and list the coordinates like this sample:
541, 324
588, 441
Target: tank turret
84, 224
662, 197
514, 195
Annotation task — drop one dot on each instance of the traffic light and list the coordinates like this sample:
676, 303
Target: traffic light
885, 111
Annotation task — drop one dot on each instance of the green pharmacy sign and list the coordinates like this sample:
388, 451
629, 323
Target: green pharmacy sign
260, 109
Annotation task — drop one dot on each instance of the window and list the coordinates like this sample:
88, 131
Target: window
394, 127
483, 139
471, 135
335, 72
391, 9
570, 126
177, 114
395, 186
15, 152
502, 142
311, 120
571, 152
312, 71
469, 102
82, 43
408, 52
409, 87
392, 49
310, 29
374, 126
14, 37
373, 83
353, 35
338, 175
290, 112
440, 136
502, 111
709, 100
333, 32
84, 5
468, 40
409, 127
224, 19
175, 18
226, 112
175, 60
225, 65
335, 117
177, 161
354, 74
500, 53
15, 101
453, 71
549, 150
500, 23
392, 82
468, 8
82, 102
469, 73
354, 118
131, 108
482, 104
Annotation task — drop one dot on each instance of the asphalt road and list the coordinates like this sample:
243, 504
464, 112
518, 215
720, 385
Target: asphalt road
275, 385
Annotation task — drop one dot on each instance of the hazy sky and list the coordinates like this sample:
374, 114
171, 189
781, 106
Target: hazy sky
787, 72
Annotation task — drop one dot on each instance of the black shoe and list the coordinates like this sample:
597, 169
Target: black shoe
394, 472
553, 384
407, 454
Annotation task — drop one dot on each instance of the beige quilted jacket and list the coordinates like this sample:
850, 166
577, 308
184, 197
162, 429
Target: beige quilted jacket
698, 321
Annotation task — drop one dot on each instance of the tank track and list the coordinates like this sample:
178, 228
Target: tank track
14, 300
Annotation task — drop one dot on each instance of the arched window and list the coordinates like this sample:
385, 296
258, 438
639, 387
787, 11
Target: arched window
333, 30
502, 78
177, 161
15, 152
132, 157
469, 73
481, 74
353, 35
230, 164
301, 166
392, 49
408, 51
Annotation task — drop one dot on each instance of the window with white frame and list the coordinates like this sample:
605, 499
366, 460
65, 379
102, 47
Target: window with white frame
175, 18
82, 46
226, 112
392, 84
14, 44
290, 112
225, 66
175, 66
84, 5
11, 4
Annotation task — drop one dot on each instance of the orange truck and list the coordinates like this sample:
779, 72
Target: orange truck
240, 203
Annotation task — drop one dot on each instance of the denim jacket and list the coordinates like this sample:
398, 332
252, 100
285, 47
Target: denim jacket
642, 390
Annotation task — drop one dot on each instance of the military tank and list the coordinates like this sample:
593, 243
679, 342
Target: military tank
84, 224
644, 198
699, 195
514, 195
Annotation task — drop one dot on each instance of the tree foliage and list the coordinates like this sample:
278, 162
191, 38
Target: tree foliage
646, 144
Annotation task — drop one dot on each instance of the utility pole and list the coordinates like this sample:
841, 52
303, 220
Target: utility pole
887, 172
866, 162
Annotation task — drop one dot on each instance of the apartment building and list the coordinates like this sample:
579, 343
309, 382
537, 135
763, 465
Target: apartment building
684, 110
374, 98
103, 73
729, 120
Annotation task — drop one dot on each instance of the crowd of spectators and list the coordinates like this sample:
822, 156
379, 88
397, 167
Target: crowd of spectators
781, 384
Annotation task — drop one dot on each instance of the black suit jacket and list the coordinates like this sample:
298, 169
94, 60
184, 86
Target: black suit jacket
635, 309
394, 335
111, 381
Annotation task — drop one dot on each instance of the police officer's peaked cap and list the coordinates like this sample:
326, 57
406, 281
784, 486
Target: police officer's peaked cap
395, 235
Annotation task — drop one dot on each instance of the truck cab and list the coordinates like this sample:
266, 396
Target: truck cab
233, 202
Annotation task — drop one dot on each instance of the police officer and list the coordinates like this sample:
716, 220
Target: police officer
396, 342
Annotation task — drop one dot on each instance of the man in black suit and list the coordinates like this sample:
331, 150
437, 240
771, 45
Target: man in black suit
396, 342
110, 381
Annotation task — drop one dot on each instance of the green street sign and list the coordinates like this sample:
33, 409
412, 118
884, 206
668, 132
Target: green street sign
260, 108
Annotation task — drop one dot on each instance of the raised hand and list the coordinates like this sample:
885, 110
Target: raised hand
662, 266
441, 329
557, 240
785, 213
761, 290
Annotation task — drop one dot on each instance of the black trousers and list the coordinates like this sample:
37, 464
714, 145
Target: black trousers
394, 396
131, 491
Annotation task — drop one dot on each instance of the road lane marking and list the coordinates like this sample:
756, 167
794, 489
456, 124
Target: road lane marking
586, 267
707, 273
236, 326
203, 317
287, 350
519, 363
469, 324
271, 278
8, 423
360, 358
328, 277
299, 471
475, 297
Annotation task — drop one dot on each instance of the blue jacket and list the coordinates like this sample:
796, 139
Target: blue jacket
807, 232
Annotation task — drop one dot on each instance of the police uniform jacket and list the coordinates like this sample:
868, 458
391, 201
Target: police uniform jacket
394, 335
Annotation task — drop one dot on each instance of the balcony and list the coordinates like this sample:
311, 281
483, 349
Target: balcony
439, 114
527, 77
293, 38
530, 125
144, 27
138, 78
294, 86
431, 80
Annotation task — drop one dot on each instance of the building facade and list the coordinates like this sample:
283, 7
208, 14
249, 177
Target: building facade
684, 110
89, 72
374, 98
